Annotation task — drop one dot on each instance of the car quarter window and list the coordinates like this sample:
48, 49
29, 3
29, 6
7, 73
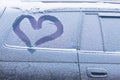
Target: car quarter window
91, 38
59, 30
110, 23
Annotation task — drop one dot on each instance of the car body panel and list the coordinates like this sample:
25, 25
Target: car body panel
18, 63
96, 62
38, 71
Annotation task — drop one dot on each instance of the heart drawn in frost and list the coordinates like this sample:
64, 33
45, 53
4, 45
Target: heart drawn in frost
36, 25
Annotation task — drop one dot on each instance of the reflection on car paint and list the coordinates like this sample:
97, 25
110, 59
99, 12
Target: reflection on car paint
36, 25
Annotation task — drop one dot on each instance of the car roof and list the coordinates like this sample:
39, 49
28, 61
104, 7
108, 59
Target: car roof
63, 4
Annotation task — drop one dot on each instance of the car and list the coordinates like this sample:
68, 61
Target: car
76, 40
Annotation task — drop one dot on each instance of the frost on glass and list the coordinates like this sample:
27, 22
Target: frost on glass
68, 39
111, 32
91, 34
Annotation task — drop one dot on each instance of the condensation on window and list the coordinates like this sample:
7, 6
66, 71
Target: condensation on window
66, 39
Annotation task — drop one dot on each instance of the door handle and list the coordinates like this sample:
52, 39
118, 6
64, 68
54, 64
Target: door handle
97, 73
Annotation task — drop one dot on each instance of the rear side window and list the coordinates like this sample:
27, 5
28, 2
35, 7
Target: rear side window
110, 23
54, 30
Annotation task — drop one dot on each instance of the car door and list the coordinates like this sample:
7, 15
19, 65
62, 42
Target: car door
99, 55
39, 46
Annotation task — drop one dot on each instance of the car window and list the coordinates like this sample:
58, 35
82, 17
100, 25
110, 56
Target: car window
91, 33
59, 30
110, 24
